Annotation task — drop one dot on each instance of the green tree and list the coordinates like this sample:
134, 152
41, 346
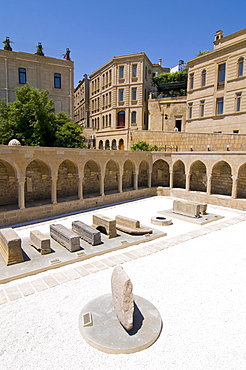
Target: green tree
202, 52
31, 120
143, 146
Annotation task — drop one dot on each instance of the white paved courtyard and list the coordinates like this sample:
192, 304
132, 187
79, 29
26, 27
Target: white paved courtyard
195, 276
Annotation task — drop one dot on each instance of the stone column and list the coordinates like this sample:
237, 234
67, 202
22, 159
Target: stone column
101, 179
187, 182
21, 192
53, 188
209, 180
149, 179
135, 181
234, 187
119, 177
80, 187
171, 179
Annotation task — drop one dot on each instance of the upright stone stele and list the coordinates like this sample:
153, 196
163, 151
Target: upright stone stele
122, 297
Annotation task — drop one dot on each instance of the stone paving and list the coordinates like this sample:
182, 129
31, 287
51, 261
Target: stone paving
18, 289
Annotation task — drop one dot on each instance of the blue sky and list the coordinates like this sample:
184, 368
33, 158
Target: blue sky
95, 31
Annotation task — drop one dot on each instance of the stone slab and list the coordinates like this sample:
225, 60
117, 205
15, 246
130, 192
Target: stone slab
186, 208
86, 232
202, 220
65, 237
108, 335
131, 226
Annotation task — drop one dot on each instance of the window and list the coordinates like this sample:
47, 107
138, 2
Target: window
134, 117
220, 105
203, 78
202, 108
238, 102
134, 93
22, 75
121, 94
134, 70
191, 81
57, 80
240, 67
121, 72
190, 106
221, 75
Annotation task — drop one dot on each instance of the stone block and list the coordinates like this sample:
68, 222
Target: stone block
131, 226
86, 232
65, 237
10, 246
40, 241
105, 224
122, 297
184, 208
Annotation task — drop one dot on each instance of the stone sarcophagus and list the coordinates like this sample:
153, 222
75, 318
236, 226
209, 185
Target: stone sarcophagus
86, 232
131, 226
40, 241
65, 237
190, 209
105, 224
10, 246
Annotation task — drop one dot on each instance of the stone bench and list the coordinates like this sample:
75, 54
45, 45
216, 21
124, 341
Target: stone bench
10, 246
190, 209
65, 237
131, 226
105, 224
40, 241
86, 232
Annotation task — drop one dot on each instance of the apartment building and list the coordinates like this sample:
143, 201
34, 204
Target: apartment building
216, 96
42, 72
118, 99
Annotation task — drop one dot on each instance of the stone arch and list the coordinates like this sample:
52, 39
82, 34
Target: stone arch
38, 181
100, 145
143, 175
8, 184
241, 182
198, 178
107, 145
91, 183
221, 182
121, 144
128, 174
67, 180
179, 178
114, 145
160, 173
111, 177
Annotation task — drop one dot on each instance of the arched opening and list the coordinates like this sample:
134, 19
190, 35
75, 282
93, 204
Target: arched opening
198, 179
100, 146
38, 182
111, 178
107, 145
102, 230
67, 181
121, 144
8, 185
160, 173
179, 178
221, 182
91, 183
127, 179
143, 175
114, 146
241, 182
121, 119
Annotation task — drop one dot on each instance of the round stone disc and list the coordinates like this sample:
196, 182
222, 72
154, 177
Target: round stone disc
105, 332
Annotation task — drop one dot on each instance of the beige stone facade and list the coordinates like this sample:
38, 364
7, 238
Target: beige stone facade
217, 87
45, 73
44, 182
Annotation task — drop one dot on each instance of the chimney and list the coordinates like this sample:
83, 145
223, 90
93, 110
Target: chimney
160, 61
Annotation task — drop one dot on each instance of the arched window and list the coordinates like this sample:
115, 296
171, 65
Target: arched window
134, 117
121, 119
109, 120
204, 78
240, 67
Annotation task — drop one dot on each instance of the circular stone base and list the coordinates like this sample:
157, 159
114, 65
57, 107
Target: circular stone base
108, 335
161, 220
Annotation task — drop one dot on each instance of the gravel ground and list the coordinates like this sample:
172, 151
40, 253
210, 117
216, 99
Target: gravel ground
198, 287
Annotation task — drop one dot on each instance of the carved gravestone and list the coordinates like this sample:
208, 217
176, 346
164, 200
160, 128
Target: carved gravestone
122, 297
